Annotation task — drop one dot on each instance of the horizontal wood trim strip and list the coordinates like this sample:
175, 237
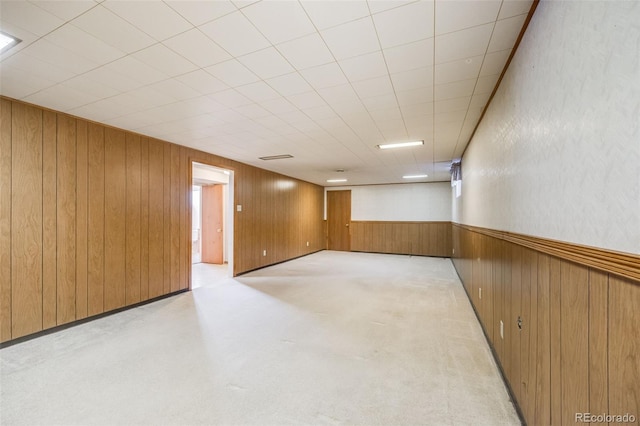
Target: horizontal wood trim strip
626, 265
400, 221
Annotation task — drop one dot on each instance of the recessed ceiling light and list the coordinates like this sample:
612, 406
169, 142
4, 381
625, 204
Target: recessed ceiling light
400, 144
414, 176
7, 42
336, 180
276, 157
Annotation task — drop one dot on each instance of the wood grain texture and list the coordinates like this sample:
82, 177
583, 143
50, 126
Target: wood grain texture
574, 345
132, 217
166, 227
66, 219
115, 223
598, 321
416, 238
144, 218
212, 224
5, 220
542, 414
339, 220
174, 222
49, 220
82, 194
555, 313
95, 225
624, 347
156, 218
26, 220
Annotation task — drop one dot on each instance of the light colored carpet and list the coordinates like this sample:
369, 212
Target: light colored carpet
331, 339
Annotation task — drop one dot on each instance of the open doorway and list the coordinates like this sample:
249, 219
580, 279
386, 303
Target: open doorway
212, 224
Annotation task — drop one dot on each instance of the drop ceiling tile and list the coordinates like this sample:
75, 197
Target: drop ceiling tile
165, 60
258, 91
415, 96
84, 83
113, 30
407, 80
494, 62
279, 21
174, 89
202, 82
364, 67
230, 98
352, 39
154, 18
320, 112
278, 106
405, 24
24, 35
456, 89
479, 100
232, 73
17, 83
506, 33
235, 34
377, 6
252, 111
373, 87
409, 56
486, 84
199, 12
59, 57
243, 3
29, 17
457, 15
197, 48
65, 9
336, 94
462, 44
514, 7
386, 114
60, 98
266, 63
84, 44
99, 111
384, 101
111, 78
451, 105
329, 14
417, 110
136, 70
289, 84
305, 52
325, 76
306, 100
462, 69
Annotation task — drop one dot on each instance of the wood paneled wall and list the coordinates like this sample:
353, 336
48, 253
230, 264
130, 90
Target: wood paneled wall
417, 238
578, 348
94, 218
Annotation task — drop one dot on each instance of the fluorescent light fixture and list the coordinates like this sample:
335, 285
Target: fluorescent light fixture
276, 157
336, 180
400, 144
7, 42
414, 176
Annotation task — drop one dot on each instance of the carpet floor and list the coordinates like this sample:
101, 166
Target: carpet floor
333, 338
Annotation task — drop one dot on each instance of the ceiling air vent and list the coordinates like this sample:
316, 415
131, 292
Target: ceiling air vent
276, 157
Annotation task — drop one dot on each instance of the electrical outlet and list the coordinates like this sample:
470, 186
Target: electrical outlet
264, 252
480, 292
501, 330
307, 243
454, 251
239, 207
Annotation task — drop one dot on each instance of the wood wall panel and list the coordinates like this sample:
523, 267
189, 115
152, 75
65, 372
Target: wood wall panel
66, 219
132, 225
624, 347
95, 222
416, 238
577, 351
114, 216
5, 220
105, 221
82, 193
26, 220
49, 220
156, 218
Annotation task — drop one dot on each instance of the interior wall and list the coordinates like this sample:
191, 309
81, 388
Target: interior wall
557, 153
409, 202
93, 218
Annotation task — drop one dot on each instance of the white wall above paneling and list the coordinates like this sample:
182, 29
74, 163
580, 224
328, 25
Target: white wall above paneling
558, 153
401, 202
